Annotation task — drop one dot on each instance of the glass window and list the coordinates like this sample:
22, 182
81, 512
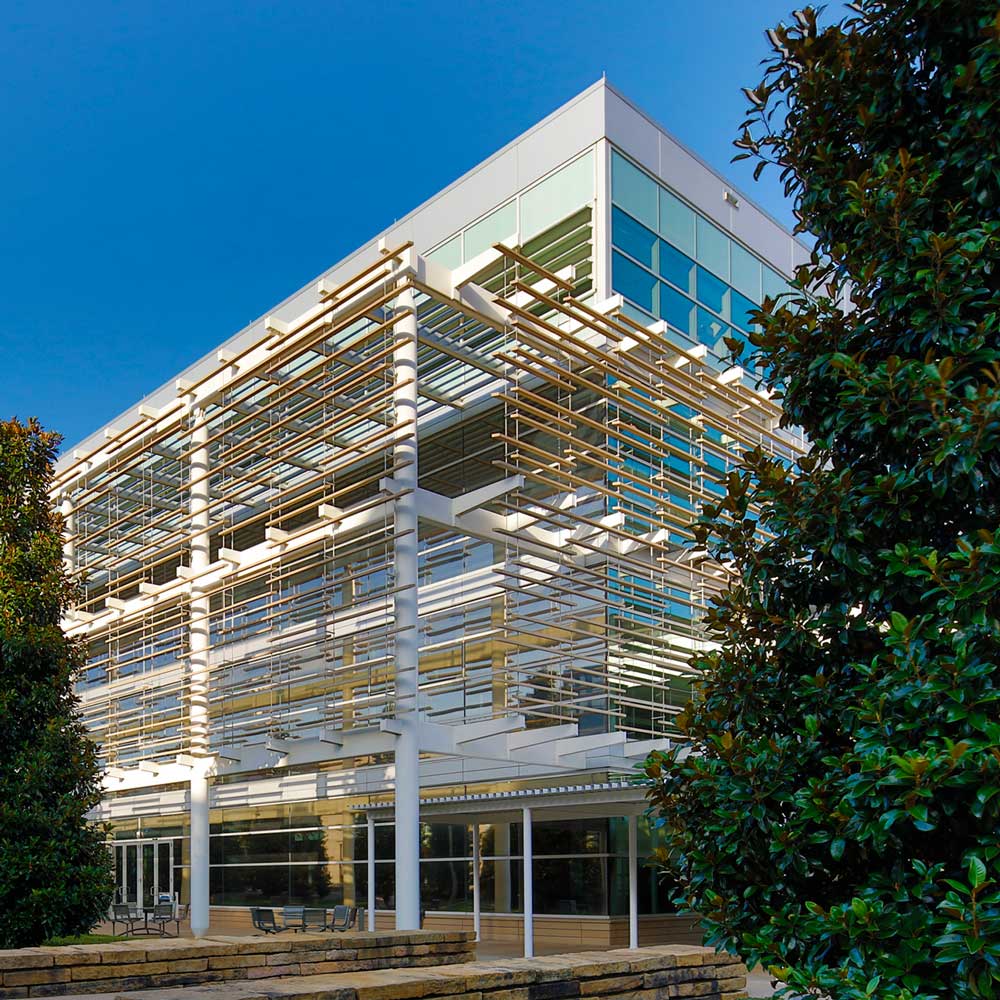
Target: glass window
445, 840
773, 283
632, 281
500, 884
741, 307
570, 886
495, 228
446, 885
449, 254
676, 267
259, 848
677, 222
385, 885
633, 190
642, 318
635, 239
316, 885
676, 309
713, 248
570, 836
557, 196
712, 292
711, 330
746, 272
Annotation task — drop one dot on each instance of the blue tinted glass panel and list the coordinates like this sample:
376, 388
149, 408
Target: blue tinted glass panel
713, 248
773, 283
632, 281
712, 292
711, 330
637, 314
633, 190
676, 309
635, 239
746, 272
741, 308
675, 267
676, 222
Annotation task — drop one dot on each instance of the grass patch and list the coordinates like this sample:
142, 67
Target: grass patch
58, 942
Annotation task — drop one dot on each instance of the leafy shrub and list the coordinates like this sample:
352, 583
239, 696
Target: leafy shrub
839, 820
55, 869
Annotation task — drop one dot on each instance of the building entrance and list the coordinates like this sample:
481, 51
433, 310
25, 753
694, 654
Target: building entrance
144, 871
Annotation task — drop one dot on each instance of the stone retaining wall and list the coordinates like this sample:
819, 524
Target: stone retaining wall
658, 973
142, 964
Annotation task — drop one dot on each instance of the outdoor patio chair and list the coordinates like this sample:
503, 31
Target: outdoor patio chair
344, 918
293, 917
315, 919
263, 920
180, 915
126, 914
163, 914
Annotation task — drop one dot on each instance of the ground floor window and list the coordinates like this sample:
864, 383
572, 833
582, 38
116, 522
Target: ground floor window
580, 866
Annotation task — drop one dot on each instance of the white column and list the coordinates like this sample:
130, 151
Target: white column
371, 872
199, 911
476, 901
198, 640
407, 784
528, 889
633, 882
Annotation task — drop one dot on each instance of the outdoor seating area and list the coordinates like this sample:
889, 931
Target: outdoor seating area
147, 920
303, 918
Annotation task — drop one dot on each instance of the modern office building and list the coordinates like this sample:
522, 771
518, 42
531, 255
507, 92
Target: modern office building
386, 598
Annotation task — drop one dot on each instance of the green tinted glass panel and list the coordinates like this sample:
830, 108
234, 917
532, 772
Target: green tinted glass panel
676, 267
635, 239
745, 272
557, 196
677, 222
449, 254
713, 248
632, 281
497, 226
633, 190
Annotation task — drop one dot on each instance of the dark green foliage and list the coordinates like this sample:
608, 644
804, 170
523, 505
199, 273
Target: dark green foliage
840, 820
55, 872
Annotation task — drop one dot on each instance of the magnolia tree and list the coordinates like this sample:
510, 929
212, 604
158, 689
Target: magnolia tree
838, 818
55, 870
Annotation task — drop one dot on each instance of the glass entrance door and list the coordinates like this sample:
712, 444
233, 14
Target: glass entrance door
144, 871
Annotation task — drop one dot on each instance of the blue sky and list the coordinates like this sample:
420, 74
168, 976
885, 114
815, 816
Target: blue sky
170, 170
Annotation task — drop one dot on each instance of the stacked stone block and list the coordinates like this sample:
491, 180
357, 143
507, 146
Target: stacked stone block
386, 967
128, 966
